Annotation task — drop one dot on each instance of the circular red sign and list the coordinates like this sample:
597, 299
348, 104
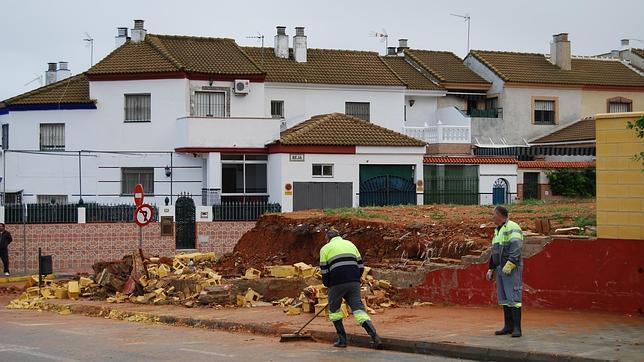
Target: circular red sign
144, 215
138, 194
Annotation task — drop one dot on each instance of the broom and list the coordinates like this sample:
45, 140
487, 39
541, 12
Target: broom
298, 336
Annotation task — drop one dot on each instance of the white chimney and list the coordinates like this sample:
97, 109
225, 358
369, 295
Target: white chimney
138, 33
63, 71
299, 45
402, 45
50, 74
121, 36
626, 44
281, 43
560, 51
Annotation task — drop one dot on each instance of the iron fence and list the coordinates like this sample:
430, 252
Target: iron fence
387, 197
452, 190
68, 213
243, 211
95, 213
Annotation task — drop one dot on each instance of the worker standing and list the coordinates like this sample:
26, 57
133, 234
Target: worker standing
5, 240
505, 260
341, 268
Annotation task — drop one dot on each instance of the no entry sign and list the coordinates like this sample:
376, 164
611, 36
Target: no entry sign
138, 194
143, 215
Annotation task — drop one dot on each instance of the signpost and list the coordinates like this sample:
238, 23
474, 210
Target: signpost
144, 213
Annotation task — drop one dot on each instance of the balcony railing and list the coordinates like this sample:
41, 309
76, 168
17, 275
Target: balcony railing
226, 132
440, 134
485, 113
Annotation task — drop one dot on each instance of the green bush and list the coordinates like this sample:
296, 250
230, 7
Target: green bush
572, 182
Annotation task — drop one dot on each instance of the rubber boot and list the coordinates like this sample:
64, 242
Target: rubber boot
516, 319
341, 342
371, 330
509, 326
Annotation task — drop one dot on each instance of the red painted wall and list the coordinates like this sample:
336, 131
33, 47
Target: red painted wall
601, 274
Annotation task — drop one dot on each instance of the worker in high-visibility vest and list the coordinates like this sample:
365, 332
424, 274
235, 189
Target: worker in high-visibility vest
341, 268
506, 261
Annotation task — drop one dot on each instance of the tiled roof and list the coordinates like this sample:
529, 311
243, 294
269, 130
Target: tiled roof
536, 68
338, 129
171, 53
74, 89
447, 67
556, 164
410, 75
469, 160
582, 130
326, 66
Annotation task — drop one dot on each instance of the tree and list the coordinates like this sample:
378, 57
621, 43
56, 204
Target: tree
572, 182
638, 126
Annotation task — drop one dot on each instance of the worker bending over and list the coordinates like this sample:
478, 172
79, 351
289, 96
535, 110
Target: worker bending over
341, 267
505, 260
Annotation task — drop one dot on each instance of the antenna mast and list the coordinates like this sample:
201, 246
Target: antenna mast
90, 41
259, 37
383, 36
467, 18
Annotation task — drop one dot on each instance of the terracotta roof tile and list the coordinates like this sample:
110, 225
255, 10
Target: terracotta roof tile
413, 78
339, 129
470, 160
171, 53
536, 68
582, 130
74, 89
556, 164
447, 67
326, 66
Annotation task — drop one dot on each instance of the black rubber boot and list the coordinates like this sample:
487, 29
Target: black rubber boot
371, 330
341, 342
516, 319
509, 326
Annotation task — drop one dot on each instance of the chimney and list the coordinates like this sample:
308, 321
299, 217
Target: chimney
138, 33
299, 45
402, 45
281, 43
121, 36
626, 44
560, 51
63, 71
50, 74
391, 50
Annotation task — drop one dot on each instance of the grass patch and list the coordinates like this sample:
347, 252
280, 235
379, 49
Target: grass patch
437, 214
585, 220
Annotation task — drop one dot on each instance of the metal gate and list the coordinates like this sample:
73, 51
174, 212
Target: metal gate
387, 190
185, 222
531, 185
500, 192
322, 195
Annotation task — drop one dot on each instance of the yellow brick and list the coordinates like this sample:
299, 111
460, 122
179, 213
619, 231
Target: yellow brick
607, 177
631, 178
630, 149
608, 232
281, 271
613, 218
636, 218
602, 217
608, 204
629, 232
607, 149
620, 136
630, 204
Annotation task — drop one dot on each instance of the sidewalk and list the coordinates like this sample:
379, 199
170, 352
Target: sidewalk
464, 332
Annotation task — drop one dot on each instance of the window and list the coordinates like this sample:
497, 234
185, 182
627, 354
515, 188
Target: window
210, 104
544, 112
277, 109
5, 136
357, 109
51, 199
52, 136
137, 108
322, 170
244, 174
620, 104
492, 103
472, 106
130, 176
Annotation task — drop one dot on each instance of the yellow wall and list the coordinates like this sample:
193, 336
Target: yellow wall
594, 102
620, 179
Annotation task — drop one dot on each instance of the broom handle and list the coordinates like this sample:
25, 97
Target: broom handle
311, 320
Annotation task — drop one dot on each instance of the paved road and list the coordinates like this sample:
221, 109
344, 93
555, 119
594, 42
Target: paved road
45, 336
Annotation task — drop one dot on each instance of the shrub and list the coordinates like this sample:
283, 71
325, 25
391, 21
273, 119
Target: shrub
572, 182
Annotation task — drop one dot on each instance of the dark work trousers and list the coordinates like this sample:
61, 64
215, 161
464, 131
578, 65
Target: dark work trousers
351, 293
4, 255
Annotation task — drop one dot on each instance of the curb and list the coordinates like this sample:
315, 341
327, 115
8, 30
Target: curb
445, 349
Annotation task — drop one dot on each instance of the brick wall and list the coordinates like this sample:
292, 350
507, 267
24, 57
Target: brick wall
449, 149
620, 180
75, 247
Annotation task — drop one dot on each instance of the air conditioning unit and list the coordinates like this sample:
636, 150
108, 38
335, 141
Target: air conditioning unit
242, 86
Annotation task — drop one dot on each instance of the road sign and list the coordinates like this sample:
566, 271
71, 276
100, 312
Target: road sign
143, 215
138, 194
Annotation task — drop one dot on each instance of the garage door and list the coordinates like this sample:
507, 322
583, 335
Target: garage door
322, 195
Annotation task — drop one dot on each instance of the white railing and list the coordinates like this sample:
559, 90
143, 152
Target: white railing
440, 134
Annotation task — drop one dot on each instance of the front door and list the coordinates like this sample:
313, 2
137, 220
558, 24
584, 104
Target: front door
530, 185
185, 223
499, 192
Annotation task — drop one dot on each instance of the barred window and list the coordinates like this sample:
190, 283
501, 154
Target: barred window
130, 176
51, 199
544, 112
209, 104
5, 136
52, 136
277, 109
357, 109
138, 108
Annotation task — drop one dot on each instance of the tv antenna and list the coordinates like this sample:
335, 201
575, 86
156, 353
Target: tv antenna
383, 36
467, 18
260, 38
90, 42
38, 78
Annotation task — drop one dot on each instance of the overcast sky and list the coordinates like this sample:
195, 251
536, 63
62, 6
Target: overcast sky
37, 32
